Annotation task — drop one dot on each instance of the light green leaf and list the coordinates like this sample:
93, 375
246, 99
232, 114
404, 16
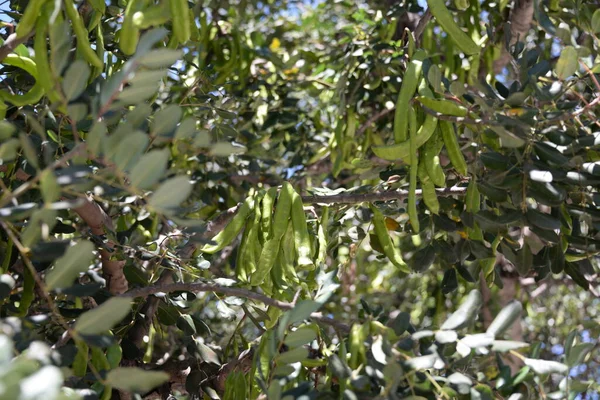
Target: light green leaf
302, 310
161, 58
506, 317
446, 336
75, 79
6, 130
129, 150
149, 169
76, 260
77, 111
186, 128
224, 149
578, 352
596, 21
135, 379
148, 78
166, 120
300, 337
462, 382
207, 354
9, 150
171, 193
292, 356
135, 94
28, 150
149, 39
104, 317
96, 138
466, 312
502, 346
49, 187
545, 367
567, 63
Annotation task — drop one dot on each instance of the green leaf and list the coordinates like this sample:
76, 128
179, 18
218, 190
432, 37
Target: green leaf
465, 313
207, 354
292, 356
129, 150
171, 193
300, 337
567, 63
96, 138
9, 150
186, 128
28, 150
149, 169
149, 39
135, 94
148, 78
49, 187
135, 379
401, 323
225, 149
161, 58
446, 336
104, 317
462, 382
302, 311
502, 346
425, 362
76, 79
578, 353
545, 367
166, 120
505, 318
596, 21
76, 260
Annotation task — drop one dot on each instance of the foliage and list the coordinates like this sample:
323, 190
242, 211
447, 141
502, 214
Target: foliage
247, 199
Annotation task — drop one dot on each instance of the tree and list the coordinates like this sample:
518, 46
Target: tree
284, 199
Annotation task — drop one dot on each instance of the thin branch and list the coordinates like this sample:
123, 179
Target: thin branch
421, 27
458, 120
229, 291
11, 43
350, 198
373, 119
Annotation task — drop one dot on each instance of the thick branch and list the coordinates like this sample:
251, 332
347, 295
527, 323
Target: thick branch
229, 291
95, 217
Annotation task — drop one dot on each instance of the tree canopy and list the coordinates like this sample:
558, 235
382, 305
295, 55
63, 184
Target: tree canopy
289, 199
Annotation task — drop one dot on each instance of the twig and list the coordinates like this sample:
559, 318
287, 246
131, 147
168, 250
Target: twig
372, 120
229, 291
11, 43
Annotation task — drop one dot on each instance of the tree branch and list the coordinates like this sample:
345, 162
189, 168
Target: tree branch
520, 19
98, 221
11, 43
229, 291
351, 198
